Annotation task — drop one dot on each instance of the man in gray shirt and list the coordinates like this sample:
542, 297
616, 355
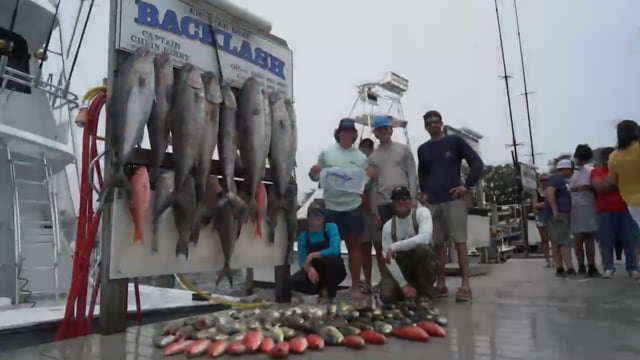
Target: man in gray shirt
391, 165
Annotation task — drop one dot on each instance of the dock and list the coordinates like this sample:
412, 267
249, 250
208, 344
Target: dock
519, 311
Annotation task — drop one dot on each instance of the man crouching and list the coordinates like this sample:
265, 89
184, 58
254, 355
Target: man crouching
412, 264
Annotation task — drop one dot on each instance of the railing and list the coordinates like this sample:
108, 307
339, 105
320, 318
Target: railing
56, 92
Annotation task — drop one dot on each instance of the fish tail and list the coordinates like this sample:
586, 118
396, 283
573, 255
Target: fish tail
182, 248
225, 272
258, 233
138, 235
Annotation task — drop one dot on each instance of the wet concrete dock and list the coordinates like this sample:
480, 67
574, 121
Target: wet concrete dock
519, 311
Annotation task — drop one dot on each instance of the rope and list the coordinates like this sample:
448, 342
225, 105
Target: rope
187, 284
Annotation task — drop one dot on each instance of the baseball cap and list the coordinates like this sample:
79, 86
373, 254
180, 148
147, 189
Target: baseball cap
381, 121
347, 123
400, 193
544, 176
564, 164
315, 209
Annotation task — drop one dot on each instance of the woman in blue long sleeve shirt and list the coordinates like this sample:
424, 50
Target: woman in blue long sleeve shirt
321, 265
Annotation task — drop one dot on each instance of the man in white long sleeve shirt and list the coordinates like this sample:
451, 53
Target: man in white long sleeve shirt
412, 264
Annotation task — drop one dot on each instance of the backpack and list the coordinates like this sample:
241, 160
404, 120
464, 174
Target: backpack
414, 217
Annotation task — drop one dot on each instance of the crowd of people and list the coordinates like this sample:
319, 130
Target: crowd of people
408, 212
579, 205
405, 211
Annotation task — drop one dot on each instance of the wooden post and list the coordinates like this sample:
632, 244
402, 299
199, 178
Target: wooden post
248, 284
281, 279
113, 293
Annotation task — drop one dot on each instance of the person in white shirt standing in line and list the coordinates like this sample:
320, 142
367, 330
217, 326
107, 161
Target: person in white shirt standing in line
584, 217
390, 165
412, 264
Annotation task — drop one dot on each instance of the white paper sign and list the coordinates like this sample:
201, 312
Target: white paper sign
351, 180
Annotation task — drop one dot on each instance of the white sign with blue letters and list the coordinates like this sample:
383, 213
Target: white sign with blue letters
191, 31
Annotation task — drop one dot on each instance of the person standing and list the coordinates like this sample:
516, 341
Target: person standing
624, 171
406, 241
342, 207
542, 219
615, 224
584, 222
372, 233
559, 204
439, 163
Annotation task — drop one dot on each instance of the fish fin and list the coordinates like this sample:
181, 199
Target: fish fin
182, 248
162, 206
138, 236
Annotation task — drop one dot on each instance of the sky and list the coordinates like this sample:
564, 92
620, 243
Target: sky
581, 60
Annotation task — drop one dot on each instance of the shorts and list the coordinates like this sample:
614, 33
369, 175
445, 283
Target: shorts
350, 223
386, 213
449, 221
584, 219
372, 231
560, 231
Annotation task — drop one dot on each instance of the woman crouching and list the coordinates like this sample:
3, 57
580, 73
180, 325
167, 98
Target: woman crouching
322, 267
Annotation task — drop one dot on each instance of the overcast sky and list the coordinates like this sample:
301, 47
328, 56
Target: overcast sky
581, 56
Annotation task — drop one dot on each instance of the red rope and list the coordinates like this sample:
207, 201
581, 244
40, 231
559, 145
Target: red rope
75, 322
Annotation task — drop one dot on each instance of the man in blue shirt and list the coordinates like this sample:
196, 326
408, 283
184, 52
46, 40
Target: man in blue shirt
439, 162
559, 205
321, 265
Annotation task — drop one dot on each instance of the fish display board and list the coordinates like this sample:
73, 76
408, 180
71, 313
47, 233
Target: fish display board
190, 31
129, 259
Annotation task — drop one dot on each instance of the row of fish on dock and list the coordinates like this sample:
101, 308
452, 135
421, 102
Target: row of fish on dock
195, 112
296, 330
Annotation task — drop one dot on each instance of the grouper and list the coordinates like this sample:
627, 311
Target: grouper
128, 111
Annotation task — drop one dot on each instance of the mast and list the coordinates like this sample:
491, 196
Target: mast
516, 162
524, 79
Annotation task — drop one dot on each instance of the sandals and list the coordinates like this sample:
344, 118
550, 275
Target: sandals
463, 294
442, 292
365, 289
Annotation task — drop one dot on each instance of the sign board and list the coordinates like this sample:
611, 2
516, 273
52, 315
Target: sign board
129, 260
190, 31
529, 177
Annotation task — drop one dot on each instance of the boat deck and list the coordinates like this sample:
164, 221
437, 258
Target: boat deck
519, 311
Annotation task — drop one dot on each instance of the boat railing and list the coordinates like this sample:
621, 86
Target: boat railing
59, 94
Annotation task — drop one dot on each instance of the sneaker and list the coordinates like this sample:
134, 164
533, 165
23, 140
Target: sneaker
635, 275
593, 272
608, 273
582, 270
561, 273
571, 273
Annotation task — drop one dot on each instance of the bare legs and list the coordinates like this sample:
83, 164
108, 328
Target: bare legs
548, 250
355, 264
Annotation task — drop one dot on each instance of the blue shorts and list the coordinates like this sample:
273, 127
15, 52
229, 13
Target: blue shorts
350, 223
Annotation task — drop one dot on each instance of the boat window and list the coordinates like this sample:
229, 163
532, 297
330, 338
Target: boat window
18, 60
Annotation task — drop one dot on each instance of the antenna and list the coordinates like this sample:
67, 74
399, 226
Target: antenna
524, 79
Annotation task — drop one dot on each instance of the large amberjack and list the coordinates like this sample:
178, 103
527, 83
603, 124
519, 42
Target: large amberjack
159, 125
128, 111
254, 130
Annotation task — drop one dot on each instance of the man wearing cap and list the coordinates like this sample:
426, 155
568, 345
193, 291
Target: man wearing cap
406, 243
321, 265
343, 208
439, 163
559, 204
392, 165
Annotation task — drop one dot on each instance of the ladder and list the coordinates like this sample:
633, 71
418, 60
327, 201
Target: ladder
36, 227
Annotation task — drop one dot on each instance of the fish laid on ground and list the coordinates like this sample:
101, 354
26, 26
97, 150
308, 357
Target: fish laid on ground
172, 327
282, 156
237, 348
354, 342
217, 348
159, 125
198, 347
372, 337
432, 329
178, 347
298, 345
254, 128
331, 335
281, 350
128, 110
163, 189
267, 345
411, 333
209, 139
164, 340
139, 202
315, 342
253, 340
